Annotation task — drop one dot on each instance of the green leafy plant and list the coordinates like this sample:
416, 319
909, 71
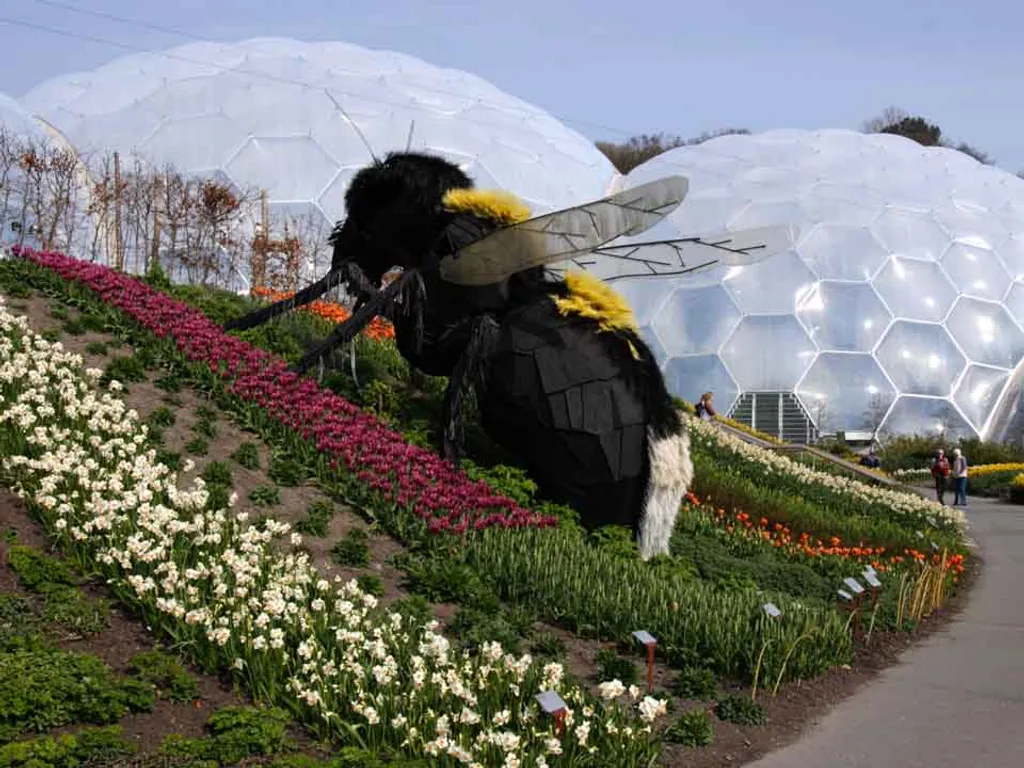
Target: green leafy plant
16, 617
74, 327
318, 517
447, 580
548, 645
236, 733
197, 446
696, 683
87, 746
166, 674
285, 470
247, 455
42, 687
473, 627
353, 549
73, 611
692, 729
58, 312
126, 370
265, 495
612, 666
37, 570
741, 710
217, 473
169, 382
371, 584
205, 428
162, 417
171, 459
52, 334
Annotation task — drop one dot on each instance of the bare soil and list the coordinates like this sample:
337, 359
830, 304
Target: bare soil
796, 707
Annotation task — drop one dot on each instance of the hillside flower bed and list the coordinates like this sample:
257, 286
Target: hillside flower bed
230, 597
412, 481
329, 310
839, 494
556, 570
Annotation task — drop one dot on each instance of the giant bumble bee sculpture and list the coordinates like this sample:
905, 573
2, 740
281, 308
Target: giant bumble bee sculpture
562, 378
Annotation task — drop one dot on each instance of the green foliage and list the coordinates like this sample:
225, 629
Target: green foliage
616, 540
166, 674
346, 757
205, 428
124, 370
692, 729
16, 617
236, 733
918, 451
169, 382
155, 277
88, 746
741, 710
285, 470
473, 627
547, 645
36, 570
371, 584
447, 579
612, 666
217, 473
318, 517
42, 687
265, 495
353, 549
197, 446
74, 327
74, 611
247, 455
58, 312
51, 334
696, 683
171, 459
162, 417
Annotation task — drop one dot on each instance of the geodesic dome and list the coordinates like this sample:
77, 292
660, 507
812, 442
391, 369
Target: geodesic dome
291, 117
899, 309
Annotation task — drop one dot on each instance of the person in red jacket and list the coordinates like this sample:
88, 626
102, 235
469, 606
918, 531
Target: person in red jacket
940, 472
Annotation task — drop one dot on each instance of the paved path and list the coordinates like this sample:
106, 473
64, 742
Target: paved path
954, 701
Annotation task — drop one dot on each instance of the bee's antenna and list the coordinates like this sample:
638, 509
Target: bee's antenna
353, 123
408, 143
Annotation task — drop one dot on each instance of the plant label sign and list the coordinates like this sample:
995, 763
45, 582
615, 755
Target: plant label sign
772, 610
870, 569
854, 585
845, 595
644, 637
935, 546
551, 702
872, 580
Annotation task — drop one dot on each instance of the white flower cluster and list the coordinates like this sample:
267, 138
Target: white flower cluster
240, 598
902, 504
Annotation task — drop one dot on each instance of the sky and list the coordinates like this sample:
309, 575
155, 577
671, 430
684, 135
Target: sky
612, 69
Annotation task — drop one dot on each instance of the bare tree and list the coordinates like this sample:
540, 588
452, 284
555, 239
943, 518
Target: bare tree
639, 149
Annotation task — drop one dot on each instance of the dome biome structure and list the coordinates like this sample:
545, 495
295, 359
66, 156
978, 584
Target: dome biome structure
899, 310
298, 119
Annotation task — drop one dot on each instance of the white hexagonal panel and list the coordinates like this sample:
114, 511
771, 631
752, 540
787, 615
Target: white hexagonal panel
915, 289
926, 416
976, 271
690, 377
201, 143
768, 353
295, 166
848, 317
978, 391
1015, 302
920, 358
986, 332
911, 234
840, 252
695, 321
786, 273
846, 392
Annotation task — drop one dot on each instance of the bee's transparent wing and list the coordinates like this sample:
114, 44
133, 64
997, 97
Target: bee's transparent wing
564, 234
681, 256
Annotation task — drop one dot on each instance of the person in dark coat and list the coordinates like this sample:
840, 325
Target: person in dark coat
940, 473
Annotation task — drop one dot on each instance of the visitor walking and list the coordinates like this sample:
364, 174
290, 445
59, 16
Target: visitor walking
940, 472
705, 409
870, 459
959, 470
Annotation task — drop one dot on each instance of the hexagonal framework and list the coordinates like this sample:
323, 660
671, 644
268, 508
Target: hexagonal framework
914, 254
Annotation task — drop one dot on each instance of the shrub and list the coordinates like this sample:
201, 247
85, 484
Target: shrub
741, 710
692, 729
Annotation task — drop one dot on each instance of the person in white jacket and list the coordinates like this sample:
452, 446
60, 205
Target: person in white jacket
959, 472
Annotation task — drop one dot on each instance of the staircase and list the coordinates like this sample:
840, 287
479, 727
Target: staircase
779, 414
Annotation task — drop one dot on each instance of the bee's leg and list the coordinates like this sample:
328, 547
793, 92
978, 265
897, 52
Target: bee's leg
379, 303
468, 372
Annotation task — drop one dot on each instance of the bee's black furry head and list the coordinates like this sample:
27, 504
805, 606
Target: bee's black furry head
394, 211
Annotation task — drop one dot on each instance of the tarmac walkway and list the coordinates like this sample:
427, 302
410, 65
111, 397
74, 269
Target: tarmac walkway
955, 700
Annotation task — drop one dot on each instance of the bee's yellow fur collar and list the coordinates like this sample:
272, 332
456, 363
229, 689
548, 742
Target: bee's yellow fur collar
487, 203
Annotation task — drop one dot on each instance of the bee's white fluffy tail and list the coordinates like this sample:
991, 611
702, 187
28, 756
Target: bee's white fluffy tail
670, 477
